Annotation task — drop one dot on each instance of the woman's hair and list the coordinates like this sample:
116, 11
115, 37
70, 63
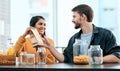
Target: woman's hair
84, 9
34, 20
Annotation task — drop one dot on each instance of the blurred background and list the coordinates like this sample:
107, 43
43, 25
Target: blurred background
16, 14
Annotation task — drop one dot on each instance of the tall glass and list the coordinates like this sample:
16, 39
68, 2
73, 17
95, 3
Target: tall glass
42, 55
23, 58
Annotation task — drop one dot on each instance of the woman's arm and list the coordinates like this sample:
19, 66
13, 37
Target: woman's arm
52, 49
56, 54
18, 45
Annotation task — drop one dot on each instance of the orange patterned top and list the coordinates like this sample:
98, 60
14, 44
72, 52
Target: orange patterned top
26, 44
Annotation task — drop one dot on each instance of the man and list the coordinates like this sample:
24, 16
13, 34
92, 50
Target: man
82, 18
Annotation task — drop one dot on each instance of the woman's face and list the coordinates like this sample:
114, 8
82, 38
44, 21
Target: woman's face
41, 26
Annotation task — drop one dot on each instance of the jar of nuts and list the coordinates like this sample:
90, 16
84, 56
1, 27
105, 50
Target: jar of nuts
80, 49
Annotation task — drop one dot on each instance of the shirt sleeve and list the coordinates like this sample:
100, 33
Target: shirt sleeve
111, 45
68, 52
116, 51
18, 45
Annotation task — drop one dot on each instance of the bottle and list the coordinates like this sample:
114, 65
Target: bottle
95, 55
11, 49
80, 49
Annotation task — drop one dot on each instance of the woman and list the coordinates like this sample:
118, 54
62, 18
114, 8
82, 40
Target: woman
24, 43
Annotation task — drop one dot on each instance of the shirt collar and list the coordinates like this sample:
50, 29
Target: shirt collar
95, 31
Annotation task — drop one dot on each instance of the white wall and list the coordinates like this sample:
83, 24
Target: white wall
59, 24
109, 10
65, 25
118, 22
19, 18
64, 22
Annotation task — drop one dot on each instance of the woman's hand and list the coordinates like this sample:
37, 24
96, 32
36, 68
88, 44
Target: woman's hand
46, 42
27, 31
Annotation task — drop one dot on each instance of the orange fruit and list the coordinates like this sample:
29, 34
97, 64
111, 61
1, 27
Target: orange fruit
10, 51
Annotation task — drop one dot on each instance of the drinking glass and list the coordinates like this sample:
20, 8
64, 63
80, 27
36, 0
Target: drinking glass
30, 59
42, 55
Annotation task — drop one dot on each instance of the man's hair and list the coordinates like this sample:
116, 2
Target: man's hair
84, 9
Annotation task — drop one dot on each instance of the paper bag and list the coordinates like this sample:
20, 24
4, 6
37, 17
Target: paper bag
36, 39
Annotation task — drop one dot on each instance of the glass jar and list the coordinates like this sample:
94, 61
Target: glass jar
80, 49
95, 55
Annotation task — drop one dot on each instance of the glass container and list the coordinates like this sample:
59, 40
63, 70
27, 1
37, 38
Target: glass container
42, 55
95, 55
80, 49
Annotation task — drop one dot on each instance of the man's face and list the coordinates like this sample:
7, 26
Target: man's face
76, 20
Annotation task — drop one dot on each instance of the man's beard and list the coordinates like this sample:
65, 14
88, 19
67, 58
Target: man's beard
77, 26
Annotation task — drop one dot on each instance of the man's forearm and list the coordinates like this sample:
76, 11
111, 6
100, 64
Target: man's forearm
111, 59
